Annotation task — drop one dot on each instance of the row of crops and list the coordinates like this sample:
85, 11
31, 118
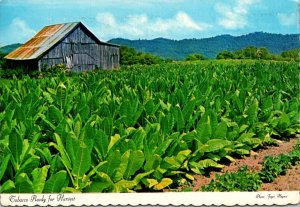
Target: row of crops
140, 128
248, 180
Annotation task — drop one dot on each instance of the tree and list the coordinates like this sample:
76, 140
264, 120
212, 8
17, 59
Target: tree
262, 53
252, 52
2, 60
291, 54
226, 55
129, 56
196, 56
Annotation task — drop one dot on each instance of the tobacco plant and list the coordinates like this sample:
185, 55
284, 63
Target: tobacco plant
140, 128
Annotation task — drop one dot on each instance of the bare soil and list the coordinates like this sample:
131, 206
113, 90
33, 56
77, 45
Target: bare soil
290, 181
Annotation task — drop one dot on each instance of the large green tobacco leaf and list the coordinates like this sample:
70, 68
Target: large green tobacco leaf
204, 131
39, 176
248, 138
113, 140
101, 143
171, 146
237, 102
124, 186
138, 138
134, 161
175, 162
266, 108
83, 108
7, 187
123, 166
130, 111
152, 162
189, 108
29, 164
15, 145
167, 122
221, 131
29, 148
100, 183
163, 184
72, 144
141, 176
178, 116
284, 122
216, 144
107, 125
252, 112
170, 163
23, 184
202, 164
54, 114
82, 158
19, 114
112, 164
62, 150
3, 165
56, 182
150, 107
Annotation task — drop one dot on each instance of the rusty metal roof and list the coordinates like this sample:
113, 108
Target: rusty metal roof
45, 40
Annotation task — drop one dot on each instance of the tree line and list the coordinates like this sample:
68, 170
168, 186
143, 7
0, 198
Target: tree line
129, 56
260, 54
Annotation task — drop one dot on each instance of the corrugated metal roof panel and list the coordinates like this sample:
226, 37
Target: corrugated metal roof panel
42, 41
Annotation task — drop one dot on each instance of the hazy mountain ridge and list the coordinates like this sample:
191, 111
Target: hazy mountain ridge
210, 47
9, 48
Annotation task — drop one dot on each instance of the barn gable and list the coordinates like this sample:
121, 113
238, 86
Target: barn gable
71, 44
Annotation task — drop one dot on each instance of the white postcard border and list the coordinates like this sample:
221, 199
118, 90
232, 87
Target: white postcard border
167, 198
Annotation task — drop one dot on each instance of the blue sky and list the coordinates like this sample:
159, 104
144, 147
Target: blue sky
149, 19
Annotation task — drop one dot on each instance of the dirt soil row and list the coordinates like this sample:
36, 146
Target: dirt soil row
288, 182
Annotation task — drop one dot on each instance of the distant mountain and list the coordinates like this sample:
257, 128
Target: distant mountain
9, 48
210, 47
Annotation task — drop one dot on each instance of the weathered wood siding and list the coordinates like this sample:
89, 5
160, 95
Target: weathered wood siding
80, 52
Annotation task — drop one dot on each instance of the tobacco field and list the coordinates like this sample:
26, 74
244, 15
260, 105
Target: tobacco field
141, 128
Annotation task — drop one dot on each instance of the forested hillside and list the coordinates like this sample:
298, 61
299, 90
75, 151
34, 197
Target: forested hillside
210, 47
9, 48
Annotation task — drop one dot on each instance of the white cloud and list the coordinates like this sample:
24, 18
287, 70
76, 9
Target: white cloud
234, 17
141, 26
288, 19
20, 30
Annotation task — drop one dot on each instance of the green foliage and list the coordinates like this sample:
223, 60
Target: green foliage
210, 47
245, 180
142, 128
128, 56
278, 165
274, 166
226, 55
19, 72
252, 52
2, 60
293, 54
194, 57
242, 180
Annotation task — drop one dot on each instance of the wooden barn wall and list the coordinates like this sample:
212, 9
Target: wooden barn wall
80, 52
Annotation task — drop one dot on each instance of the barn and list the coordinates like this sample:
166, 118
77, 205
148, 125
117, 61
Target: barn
71, 44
